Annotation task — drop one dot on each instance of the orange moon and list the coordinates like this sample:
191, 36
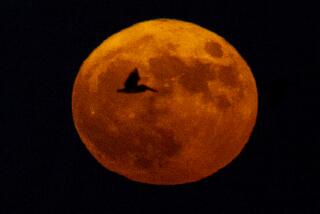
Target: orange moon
197, 123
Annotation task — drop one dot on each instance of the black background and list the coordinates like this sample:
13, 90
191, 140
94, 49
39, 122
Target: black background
45, 168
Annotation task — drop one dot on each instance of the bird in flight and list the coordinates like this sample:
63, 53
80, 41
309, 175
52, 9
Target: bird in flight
131, 84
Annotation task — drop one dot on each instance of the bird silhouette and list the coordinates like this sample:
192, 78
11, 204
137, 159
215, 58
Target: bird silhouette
131, 84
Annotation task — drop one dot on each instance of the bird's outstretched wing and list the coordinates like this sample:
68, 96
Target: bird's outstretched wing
132, 80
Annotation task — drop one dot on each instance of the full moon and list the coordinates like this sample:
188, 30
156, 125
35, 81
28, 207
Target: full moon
199, 120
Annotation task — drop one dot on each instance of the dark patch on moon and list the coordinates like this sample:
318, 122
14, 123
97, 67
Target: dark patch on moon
168, 146
162, 146
196, 77
166, 67
193, 78
143, 163
214, 49
160, 140
229, 75
222, 102
172, 47
143, 41
153, 149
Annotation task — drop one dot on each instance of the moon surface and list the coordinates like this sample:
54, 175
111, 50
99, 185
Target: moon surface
197, 123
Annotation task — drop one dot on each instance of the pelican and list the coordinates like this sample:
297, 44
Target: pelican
131, 84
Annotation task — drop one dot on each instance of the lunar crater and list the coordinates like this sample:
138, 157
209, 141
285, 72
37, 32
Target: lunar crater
214, 49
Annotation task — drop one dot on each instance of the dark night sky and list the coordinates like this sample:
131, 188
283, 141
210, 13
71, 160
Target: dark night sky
45, 168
